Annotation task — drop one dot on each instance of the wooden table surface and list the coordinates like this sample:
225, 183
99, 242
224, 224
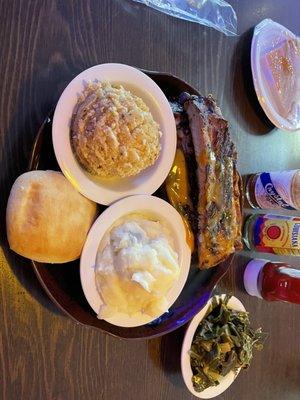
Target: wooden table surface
44, 44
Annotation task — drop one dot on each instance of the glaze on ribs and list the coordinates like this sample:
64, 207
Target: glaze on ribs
219, 210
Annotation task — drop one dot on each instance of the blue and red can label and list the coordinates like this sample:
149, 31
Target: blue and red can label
276, 234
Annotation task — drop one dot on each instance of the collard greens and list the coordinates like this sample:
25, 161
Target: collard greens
223, 342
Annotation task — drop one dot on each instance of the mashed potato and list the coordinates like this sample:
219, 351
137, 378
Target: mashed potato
113, 133
135, 268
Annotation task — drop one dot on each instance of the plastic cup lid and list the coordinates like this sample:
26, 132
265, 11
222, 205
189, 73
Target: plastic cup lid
275, 63
251, 274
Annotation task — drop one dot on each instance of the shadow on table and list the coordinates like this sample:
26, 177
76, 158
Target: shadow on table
253, 119
241, 261
167, 355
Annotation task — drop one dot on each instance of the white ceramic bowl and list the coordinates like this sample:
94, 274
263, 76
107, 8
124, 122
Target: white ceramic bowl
155, 207
147, 181
186, 369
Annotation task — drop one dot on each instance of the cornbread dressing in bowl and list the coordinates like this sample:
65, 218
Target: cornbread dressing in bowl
113, 133
135, 152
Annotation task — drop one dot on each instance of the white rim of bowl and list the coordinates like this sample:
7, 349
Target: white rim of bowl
186, 369
154, 175
132, 205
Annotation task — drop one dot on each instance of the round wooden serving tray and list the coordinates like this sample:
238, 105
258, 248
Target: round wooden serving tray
62, 281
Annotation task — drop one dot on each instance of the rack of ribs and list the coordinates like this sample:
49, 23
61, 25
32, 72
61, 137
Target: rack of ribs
219, 199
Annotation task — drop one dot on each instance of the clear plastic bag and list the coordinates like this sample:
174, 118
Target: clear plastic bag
217, 14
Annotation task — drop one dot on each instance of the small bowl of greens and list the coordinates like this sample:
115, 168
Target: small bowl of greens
218, 343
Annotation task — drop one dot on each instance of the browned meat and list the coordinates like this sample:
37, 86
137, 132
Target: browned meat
219, 211
185, 143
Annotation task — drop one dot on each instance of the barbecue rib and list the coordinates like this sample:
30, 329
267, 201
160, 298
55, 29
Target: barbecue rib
219, 210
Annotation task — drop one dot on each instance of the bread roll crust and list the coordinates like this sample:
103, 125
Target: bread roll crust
47, 220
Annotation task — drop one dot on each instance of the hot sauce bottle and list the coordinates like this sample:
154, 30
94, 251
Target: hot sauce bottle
275, 234
272, 281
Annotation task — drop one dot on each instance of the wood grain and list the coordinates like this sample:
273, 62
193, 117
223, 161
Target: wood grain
44, 44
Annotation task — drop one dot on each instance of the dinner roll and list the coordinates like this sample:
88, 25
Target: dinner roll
47, 220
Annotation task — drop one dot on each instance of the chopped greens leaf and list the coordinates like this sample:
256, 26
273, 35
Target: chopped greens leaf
223, 342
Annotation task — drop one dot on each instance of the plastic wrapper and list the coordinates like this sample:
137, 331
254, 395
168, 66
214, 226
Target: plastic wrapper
217, 14
275, 58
